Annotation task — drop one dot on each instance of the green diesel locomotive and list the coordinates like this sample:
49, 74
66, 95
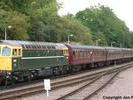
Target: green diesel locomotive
27, 60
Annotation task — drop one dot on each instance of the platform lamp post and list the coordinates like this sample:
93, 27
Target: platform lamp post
112, 43
97, 42
68, 38
9, 27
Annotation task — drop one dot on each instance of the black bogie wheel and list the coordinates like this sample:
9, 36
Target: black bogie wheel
56, 71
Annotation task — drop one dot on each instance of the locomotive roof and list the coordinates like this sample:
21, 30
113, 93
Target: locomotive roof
31, 44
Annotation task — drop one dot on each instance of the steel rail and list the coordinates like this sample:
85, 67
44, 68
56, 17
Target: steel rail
94, 80
33, 90
100, 88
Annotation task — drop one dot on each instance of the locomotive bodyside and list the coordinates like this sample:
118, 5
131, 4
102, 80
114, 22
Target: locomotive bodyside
24, 60
47, 56
35, 55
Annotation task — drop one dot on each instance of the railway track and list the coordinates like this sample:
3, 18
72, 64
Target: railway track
62, 83
36, 89
91, 88
83, 92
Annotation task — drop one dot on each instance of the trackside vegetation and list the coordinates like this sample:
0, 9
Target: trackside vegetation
38, 20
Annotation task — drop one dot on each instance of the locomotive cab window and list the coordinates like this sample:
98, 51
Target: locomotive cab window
6, 51
14, 52
17, 52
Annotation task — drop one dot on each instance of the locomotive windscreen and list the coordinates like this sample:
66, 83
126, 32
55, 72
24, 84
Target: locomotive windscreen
6, 51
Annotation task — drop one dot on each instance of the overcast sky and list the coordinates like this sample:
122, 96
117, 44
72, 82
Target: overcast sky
122, 8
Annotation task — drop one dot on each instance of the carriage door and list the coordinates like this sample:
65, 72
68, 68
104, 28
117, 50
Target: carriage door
91, 55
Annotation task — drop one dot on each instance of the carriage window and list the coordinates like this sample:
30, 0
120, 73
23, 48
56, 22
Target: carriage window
6, 51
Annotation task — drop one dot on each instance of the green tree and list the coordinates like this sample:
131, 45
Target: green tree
42, 18
18, 22
25, 15
70, 25
105, 25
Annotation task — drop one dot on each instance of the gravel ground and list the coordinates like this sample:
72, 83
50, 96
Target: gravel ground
55, 93
120, 89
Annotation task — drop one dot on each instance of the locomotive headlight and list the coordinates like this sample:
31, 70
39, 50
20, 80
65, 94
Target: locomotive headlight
9, 73
15, 60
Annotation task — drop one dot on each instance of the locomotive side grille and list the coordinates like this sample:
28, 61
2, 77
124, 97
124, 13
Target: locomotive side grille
5, 64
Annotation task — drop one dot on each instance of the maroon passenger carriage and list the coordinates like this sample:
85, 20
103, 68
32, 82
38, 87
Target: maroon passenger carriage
114, 55
93, 56
82, 56
118, 55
